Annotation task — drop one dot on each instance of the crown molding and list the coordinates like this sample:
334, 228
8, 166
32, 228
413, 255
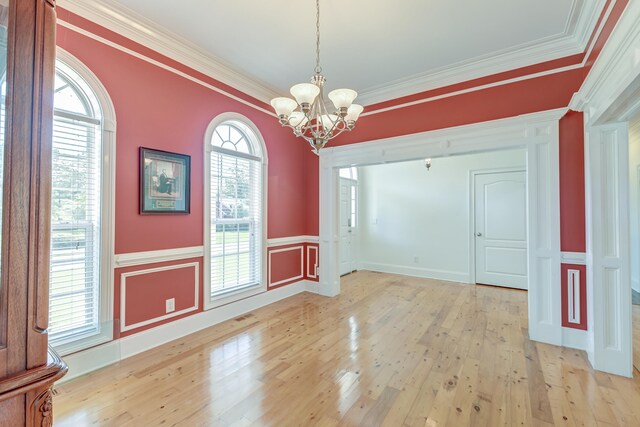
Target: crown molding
573, 40
615, 69
141, 30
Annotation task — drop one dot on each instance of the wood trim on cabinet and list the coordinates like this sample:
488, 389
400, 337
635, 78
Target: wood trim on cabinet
28, 368
42, 376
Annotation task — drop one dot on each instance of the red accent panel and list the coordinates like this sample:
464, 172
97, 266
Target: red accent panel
572, 184
583, 296
511, 74
146, 294
527, 96
285, 266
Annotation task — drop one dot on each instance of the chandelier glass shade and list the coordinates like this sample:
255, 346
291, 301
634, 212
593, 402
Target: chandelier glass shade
308, 115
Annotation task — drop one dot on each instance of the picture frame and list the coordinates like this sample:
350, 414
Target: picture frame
165, 182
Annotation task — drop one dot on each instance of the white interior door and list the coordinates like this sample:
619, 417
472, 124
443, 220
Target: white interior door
348, 202
501, 229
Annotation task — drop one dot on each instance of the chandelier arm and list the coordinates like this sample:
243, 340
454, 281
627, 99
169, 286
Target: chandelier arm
334, 124
338, 130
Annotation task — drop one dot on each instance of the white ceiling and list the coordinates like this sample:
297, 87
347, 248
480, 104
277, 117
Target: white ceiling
370, 46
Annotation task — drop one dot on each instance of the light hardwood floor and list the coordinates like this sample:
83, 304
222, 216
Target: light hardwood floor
390, 350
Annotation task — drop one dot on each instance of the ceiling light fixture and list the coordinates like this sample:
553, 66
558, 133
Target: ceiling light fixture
308, 115
427, 164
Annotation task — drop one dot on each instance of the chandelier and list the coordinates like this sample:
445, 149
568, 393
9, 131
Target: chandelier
308, 115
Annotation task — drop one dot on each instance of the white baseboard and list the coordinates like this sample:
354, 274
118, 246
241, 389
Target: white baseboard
450, 276
575, 338
313, 287
89, 360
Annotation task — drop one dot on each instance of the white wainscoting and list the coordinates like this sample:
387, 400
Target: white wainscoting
98, 357
163, 255
293, 240
299, 276
123, 294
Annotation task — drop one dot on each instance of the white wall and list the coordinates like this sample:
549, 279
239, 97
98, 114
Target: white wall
634, 201
417, 222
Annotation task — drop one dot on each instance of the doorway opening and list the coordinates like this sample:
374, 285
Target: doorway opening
537, 134
462, 219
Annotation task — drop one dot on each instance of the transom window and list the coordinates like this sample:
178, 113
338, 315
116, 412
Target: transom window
235, 234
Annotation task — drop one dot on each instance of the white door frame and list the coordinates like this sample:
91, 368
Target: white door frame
610, 97
472, 212
538, 133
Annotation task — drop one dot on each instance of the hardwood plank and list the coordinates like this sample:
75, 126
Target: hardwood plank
390, 350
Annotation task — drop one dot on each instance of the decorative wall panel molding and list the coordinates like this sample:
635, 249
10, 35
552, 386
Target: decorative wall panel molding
297, 276
123, 295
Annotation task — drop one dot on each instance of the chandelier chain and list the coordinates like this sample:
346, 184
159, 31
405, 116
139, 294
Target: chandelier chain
318, 69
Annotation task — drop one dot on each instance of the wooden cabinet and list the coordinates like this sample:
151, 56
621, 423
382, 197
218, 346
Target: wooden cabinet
27, 368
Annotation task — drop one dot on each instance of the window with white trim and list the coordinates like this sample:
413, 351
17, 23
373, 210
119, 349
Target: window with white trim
235, 240
77, 273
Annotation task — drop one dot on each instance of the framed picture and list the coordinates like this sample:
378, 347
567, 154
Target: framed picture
165, 182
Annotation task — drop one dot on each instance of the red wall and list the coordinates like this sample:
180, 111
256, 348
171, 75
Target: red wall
572, 183
160, 109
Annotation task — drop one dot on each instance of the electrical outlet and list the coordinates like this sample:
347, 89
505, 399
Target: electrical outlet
170, 305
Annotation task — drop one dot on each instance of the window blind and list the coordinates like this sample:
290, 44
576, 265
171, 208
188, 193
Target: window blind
75, 228
236, 228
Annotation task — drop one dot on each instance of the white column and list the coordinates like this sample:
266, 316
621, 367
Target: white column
543, 179
608, 249
328, 268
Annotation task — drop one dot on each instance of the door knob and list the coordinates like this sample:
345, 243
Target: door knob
479, 234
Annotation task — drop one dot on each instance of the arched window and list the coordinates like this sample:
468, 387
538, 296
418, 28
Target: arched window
234, 215
80, 215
